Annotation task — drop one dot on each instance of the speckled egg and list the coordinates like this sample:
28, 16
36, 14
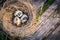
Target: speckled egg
24, 18
17, 21
18, 13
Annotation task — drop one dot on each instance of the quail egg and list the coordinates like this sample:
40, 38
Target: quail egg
18, 13
24, 18
17, 21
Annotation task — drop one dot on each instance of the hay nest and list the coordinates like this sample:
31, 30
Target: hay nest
26, 29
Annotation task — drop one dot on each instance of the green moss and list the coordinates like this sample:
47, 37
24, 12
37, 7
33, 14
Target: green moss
58, 9
42, 9
47, 4
3, 36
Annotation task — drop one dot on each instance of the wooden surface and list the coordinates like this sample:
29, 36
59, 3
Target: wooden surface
49, 25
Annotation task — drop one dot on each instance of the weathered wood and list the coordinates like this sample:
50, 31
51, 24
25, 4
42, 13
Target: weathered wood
47, 22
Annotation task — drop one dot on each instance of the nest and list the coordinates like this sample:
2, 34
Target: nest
26, 29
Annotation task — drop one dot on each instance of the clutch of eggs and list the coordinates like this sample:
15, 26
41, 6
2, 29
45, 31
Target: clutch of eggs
19, 18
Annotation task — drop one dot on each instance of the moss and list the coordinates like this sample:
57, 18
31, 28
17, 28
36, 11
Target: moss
42, 9
58, 9
3, 36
